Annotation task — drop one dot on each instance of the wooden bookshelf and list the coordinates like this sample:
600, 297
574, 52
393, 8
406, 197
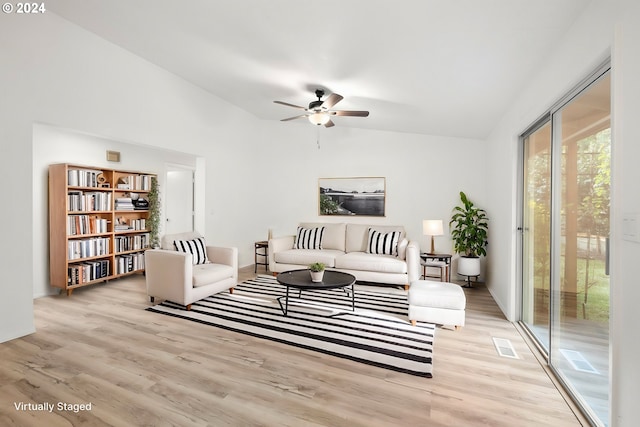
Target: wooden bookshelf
96, 233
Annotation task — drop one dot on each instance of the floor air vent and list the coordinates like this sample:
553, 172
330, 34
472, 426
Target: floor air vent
505, 348
577, 361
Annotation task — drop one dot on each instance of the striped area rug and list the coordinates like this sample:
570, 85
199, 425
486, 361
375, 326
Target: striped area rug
378, 333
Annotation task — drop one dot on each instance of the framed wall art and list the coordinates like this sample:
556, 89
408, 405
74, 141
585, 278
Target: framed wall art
361, 196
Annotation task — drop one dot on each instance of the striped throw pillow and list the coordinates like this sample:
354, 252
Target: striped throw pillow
383, 243
309, 238
196, 247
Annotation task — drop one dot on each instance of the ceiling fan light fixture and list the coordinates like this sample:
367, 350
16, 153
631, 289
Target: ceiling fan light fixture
320, 112
319, 118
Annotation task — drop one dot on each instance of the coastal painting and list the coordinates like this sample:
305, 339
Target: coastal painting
352, 196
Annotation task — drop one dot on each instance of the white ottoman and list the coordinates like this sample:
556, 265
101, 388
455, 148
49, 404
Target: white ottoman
436, 302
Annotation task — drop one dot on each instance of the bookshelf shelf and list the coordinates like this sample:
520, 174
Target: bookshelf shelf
95, 234
130, 232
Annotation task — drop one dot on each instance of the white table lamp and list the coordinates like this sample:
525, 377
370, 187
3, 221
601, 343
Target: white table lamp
432, 227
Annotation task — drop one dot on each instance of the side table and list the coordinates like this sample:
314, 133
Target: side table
261, 255
441, 261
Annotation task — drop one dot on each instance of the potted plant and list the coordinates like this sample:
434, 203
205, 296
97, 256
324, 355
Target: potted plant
469, 226
153, 221
317, 271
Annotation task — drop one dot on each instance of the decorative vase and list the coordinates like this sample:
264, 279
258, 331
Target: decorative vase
316, 276
469, 266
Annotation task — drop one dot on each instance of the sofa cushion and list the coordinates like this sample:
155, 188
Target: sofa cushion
308, 238
402, 248
196, 247
206, 274
304, 257
357, 235
333, 237
383, 243
371, 262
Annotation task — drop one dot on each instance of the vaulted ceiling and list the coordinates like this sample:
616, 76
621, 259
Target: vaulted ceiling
433, 67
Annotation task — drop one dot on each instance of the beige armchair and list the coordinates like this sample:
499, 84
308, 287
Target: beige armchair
171, 275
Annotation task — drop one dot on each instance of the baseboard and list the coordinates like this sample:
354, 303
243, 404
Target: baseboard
19, 334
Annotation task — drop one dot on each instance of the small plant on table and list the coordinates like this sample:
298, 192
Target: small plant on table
317, 266
317, 271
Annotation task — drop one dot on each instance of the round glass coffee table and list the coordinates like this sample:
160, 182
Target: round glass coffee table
301, 280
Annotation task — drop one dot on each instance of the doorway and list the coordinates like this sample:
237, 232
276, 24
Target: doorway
178, 203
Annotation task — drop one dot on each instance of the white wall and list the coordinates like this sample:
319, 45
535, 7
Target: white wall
625, 291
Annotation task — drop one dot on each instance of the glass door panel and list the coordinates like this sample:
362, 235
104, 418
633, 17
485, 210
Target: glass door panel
536, 233
579, 350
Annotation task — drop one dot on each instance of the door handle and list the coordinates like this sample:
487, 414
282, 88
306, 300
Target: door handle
606, 256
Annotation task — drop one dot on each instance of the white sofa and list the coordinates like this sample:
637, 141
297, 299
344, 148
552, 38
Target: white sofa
344, 248
171, 275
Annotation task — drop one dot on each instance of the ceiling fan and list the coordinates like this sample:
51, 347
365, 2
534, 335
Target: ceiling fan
320, 112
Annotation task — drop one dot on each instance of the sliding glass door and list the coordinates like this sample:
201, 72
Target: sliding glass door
565, 231
536, 232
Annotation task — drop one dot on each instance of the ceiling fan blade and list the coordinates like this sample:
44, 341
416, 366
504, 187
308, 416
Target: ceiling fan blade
293, 118
332, 100
349, 113
329, 124
289, 105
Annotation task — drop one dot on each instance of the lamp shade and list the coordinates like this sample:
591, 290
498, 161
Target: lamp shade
319, 118
432, 227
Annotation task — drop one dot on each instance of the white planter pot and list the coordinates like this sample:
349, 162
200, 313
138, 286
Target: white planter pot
468, 266
316, 276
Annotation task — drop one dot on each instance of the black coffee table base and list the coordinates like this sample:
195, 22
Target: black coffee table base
285, 307
301, 280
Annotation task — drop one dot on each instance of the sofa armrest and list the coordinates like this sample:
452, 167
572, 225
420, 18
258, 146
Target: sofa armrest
225, 256
278, 244
413, 261
168, 274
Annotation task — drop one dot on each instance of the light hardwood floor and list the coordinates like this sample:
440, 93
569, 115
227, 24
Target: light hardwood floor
100, 346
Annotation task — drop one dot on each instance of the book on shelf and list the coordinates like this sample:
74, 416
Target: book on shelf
79, 201
131, 243
78, 274
87, 248
129, 262
124, 204
83, 177
135, 182
138, 224
86, 224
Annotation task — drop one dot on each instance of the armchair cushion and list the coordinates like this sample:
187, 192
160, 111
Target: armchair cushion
206, 274
195, 247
